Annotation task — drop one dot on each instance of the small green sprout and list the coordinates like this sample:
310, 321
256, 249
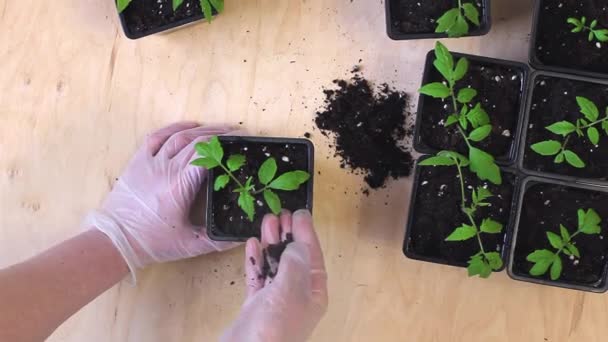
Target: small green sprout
565, 128
211, 156
588, 223
580, 25
483, 262
206, 6
476, 118
455, 22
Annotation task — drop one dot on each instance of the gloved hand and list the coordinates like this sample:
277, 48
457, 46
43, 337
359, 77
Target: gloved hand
289, 307
146, 213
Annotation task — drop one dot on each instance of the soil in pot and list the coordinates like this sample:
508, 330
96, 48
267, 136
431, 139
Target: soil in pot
436, 212
227, 218
545, 207
553, 100
556, 45
416, 16
499, 90
143, 16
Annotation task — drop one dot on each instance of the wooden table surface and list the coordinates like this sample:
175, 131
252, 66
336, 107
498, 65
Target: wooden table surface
77, 98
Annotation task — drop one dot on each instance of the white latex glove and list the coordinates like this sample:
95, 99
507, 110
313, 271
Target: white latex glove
146, 215
289, 307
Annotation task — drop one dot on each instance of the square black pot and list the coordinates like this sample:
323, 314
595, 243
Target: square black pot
554, 48
225, 219
552, 98
146, 17
543, 205
395, 32
430, 135
430, 223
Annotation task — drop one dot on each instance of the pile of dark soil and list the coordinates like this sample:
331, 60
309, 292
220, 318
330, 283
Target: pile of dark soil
272, 257
369, 126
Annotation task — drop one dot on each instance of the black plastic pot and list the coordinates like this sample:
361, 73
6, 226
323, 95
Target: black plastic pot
552, 30
395, 33
163, 20
556, 91
526, 234
453, 250
225, 220
421, 143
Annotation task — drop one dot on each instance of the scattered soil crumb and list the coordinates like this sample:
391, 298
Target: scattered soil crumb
368, 125
307, 135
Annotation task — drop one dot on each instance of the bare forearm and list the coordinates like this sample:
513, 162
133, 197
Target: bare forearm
41, 293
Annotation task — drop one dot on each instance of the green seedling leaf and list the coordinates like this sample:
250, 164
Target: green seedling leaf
594, 135
494, 260
221, 182
490, 226
443, 54
176, 4
290, 181
483, 194
605, 126
460, 28
273, 201
207, 11
471, 12
556, 268
484, 166
245, 201
461, 69
588, 108
478, 116
462, 233
205, 162
583, 20
564, 233
573, 250
444, 70
590, 222
590, 36
447, 20
593, 24
542, 259
601, 35
267, 171
555, 240
478, 266
452, 119
235, 162
462, 160
436, 90
578, 26
573, 159
562, 128
212, 149
462, 120
480, 133
218, 5
465, 95
121, 5
547, 148
438, 161
559, 158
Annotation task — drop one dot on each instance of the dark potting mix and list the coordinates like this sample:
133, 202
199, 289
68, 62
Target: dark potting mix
500, 89
554, 100
227, 218
143, 16
368, 125
545, 207
557, 45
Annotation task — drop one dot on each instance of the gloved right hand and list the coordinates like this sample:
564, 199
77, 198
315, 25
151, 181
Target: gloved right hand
289, 307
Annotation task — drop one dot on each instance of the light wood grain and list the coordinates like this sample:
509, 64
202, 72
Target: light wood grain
77, 97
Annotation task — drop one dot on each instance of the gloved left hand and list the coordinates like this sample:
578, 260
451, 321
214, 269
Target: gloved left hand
146, 213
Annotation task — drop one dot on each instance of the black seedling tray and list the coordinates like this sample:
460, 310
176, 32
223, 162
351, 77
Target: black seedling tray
483, 29
526, 183
443, 261
525, 127
165, 28
218, 234
511, 157
535, 61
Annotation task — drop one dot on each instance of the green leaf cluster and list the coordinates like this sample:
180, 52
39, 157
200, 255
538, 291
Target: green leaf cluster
547, 260
207, 6
580, 25
475, 119
455, 22
211, 155
583, 127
